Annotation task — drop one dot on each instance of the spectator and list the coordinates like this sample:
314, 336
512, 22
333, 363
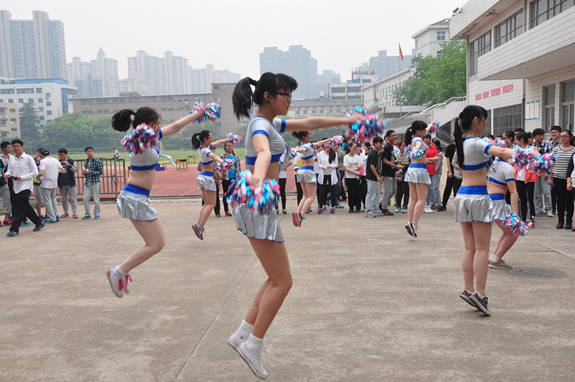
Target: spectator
282, 182
67, 183
554, 142
402, 185
570, 177
352, 165
328, 178
373, 180
49, 169
22, 169
93, 169
340, 174
452, 182
435, 180
5, 187
509, 136
230, 176
432, 157
38, 193
362, 180
389, 170
559, 179
525, 186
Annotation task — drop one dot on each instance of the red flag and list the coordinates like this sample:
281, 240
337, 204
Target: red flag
400, 52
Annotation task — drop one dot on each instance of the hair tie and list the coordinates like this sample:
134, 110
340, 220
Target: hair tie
252, 82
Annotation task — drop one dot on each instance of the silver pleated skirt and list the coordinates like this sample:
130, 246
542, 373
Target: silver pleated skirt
417, 175
306, 176
472, 208
206, 182
256, 226
500, 209
135, 206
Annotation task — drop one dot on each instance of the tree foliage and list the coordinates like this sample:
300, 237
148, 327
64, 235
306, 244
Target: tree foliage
436, 79
29, 123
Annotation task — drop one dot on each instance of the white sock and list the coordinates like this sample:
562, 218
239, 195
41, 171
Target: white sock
479, 295
468, 291
255, 344
119, 272
244, 330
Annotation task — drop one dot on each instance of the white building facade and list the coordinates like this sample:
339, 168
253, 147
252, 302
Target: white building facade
9, 120
350, 90
428, 40
520, 61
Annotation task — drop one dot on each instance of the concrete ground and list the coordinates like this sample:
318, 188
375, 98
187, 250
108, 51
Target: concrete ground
369, 303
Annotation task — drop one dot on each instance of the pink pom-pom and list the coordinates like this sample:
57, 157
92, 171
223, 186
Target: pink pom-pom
503, 143
263, 198
140, 139
434, 127
226, 166
514, 223
407, 150
523, 157
236, 138
337, 140
211, 111
416, 154
367, 127
489, 140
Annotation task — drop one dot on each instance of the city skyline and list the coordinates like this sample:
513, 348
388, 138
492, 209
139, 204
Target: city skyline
230, 40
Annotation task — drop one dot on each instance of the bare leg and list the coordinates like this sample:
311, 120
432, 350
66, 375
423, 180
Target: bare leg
482, 235
309, 191
210, 204
154, 240
39, 209
468, 255
422, 190
269, 298
505, 242
204, 206
412, 201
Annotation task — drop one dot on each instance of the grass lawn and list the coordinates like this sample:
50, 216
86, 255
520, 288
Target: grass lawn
177, 154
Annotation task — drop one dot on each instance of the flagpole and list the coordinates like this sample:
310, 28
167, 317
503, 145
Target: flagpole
399, 73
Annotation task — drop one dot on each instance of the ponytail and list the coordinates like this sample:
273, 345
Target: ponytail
408, 136
300, 135
242, 97
459, 143
126, 118
198, 139
410, 132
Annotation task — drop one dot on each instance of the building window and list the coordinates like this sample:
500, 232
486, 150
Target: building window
38, 90
14, 129
549, 105
48, 95
477, 49
6, 91
40, 109
30, 99
49, 112
542, 10
40, 100
48, 103
12, 110
506, 118
509, 29
12, 119
25, 91
3, 134
441, 36
41, 118
10, 100
568, 104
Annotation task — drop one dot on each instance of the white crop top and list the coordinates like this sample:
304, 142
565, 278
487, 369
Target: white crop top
260, 125
423, 147
204, 155
475, 154
147, 160
501, 173
309, 151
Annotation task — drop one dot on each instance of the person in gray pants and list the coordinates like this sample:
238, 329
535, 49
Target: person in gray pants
373, 180
93, 168
542, 186
67, 183
389, 170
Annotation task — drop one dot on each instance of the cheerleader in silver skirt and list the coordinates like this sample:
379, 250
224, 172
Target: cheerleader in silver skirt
134, 203
417, 173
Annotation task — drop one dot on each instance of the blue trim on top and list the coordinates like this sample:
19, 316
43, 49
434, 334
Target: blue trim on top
497, 196
143, 168
510, 180
473, 190
306, 168
283, 128
260, 132
250, 161
497, 182
487, 148
306, 158
205, 173
418, 165
160, 134
136, 190
276, 158
466, 138
473, 167
207, 163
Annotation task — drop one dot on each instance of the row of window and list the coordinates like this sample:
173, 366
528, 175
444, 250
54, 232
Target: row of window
21, 100
567, 105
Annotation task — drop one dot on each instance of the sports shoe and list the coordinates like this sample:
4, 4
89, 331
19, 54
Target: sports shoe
96, 216
228, 213
253, 359
284, 212
434, 207
116, 282
39, 227
332, 211
427, 210
12, 233
126, 279
218, 215
86, 217
480, 303
295, 219
0, 224
498, 263
397, 210
370, 215
531, 224
441, 208
75, 215
25, 224
387, 213
339, 206
236, 340
549, 214
50, 221
8, 221
466, 296
308, 210
568, 226
65, 215
408, 228
198, 231
404, 210
320, 210
379, 213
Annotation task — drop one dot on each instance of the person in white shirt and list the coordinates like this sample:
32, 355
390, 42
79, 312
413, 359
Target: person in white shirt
4, 186
49, 169
22, 169
362, 181
328, 177
352, 165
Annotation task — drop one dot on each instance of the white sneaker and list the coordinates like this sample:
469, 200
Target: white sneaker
116, 282
236, 340
253, 359
549, 214
125, 287
397, 210
427, 209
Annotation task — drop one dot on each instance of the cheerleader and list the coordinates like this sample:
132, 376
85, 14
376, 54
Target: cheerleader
264, 147
473, 207
202, 142
134, 200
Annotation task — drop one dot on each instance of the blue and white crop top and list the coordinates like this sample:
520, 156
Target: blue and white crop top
204, 155
475, 154
145, 161
501, 173
309, 151
260, 125
423, 147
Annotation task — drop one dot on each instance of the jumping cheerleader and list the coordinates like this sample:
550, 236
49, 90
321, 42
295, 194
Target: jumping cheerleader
417, 175
134, 200
264, 147
202, 142
472, 205
501, 179
306, 173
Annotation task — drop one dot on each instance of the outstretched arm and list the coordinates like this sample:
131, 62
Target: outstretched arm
316, 123
500, 152
173, 128
221, 141
215, 157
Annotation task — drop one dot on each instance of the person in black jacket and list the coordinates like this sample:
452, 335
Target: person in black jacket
67, 183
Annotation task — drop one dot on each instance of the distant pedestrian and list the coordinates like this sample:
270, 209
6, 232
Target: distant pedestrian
373, 180
5, 187
389, 171
67, 183
49, 169
93, 169
38, 193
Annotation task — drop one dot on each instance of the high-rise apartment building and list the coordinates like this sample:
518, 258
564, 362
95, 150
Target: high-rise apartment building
32, 48
200, 80
384, 66
167, 75
97, 78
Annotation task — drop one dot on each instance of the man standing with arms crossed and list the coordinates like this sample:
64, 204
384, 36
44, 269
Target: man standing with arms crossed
93, 168
389, 171
67, 183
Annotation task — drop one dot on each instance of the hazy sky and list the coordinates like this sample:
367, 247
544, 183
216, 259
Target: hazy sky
231, 34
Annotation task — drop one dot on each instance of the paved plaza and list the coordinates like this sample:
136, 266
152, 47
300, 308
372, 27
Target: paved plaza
369, 303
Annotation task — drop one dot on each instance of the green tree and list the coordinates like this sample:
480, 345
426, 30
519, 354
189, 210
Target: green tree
29, 123
436, 79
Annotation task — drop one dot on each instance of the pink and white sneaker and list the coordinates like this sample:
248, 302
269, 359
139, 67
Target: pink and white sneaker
295, 219
116, 282
126, 279
198, 231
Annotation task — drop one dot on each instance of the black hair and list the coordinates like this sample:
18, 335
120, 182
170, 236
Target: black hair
463, 124
522, 136
557, 128
410, 132
490, 136
437, 144
509, 134
17, 141
367, 144
45, 152
377, 139
4, 144
122, 120
233, 152
518, 130
243, 97
388, 133
198, 138
427, 136
538, 131
88, 148
300, 135
39, 150
62, 151
332, 153
571, 138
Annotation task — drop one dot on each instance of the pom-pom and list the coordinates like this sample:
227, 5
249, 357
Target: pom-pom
407, 150
236, 138
293, 153
211, 111
434, 127
226, 166
367, 127
263, 198
542, 164
514, 223
416, 154
337, 140
489, 140
140, 139
503, 143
